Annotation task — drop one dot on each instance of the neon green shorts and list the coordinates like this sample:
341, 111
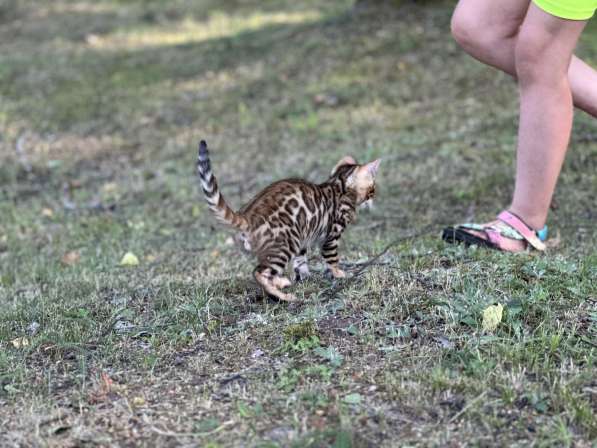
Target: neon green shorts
568, 9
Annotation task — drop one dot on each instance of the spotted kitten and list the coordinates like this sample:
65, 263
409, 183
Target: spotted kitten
284, 220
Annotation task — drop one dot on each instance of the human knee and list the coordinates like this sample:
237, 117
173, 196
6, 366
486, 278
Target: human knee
527, 59
533, 61
465, 30
473, 33
479, 31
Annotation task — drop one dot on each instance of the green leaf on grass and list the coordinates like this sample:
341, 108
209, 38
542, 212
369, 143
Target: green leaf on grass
352, 399
330, 354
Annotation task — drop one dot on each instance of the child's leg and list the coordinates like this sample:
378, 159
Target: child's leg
543, 53
488, 31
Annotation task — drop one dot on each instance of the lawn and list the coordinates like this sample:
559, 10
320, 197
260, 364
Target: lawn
102, 104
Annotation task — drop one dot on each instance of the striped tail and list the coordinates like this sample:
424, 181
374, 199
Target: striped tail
214, 198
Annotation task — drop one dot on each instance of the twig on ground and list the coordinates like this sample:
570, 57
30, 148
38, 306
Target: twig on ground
167, 433
350, 265
372, 261
51, 419
468, 406
231, 378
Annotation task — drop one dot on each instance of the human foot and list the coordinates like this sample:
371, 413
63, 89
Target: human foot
508, 233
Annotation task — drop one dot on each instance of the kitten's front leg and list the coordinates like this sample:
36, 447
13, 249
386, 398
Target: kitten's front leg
300, 266
337, 272
329, 250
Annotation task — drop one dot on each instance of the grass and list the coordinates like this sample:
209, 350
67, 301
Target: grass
102, 105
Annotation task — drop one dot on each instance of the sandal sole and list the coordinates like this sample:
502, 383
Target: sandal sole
457, 235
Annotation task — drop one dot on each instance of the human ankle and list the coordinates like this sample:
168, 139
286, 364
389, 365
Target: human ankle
533, 221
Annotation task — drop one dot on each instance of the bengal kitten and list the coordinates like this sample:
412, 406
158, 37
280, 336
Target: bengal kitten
284, 220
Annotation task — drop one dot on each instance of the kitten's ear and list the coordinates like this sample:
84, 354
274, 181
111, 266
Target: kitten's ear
372, 167
346, 160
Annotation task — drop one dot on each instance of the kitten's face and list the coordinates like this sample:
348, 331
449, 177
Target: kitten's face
362, 179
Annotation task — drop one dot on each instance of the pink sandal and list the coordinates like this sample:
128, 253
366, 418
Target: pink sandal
497, 235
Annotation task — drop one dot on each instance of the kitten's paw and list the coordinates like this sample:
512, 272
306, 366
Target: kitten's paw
288, 298
281, 282
337, 272
282, 297
301, 273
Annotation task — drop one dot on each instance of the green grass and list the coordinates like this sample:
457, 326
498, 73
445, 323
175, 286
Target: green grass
101, 107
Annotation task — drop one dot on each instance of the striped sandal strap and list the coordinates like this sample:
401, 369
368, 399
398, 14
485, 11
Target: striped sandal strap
535, 239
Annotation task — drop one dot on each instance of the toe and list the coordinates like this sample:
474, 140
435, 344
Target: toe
289, 298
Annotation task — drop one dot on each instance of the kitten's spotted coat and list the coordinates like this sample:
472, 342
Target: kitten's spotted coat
284, 220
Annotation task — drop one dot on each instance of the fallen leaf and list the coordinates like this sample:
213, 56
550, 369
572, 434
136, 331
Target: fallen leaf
445, 342
139, 401
352, 398
74, 183
71, 258
32, 328
102, 389
257, 353
331, 354
93, 39
138, 225
129, 259
123, 326
60, 429
326, 99
106, 381
110, 187
11, 389
47, 212
20, 342
492, 316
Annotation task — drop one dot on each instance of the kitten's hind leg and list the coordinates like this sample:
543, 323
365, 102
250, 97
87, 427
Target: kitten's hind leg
270, 284
300, 266
269, 275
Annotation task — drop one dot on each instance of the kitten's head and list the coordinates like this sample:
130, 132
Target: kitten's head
358, 178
